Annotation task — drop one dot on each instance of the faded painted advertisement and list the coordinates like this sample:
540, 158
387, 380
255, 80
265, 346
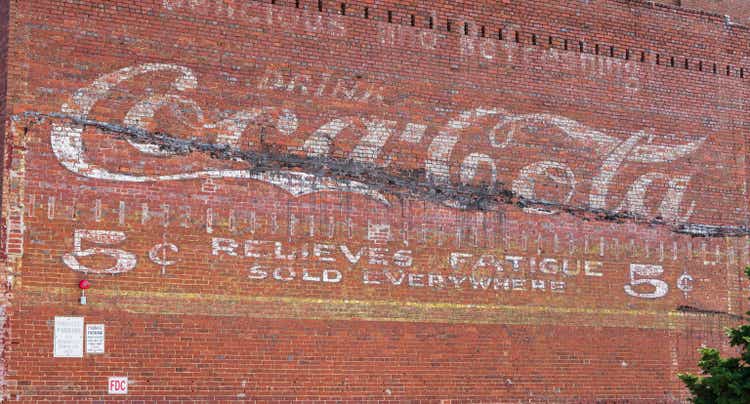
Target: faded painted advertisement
473, 163
441, 166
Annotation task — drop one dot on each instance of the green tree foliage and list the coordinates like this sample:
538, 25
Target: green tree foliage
725, 380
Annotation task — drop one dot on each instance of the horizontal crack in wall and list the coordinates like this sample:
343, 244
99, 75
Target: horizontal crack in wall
398, 183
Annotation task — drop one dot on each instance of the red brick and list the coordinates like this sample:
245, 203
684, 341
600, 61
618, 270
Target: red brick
626, 119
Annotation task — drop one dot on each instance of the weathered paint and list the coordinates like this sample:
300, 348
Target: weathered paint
273, 202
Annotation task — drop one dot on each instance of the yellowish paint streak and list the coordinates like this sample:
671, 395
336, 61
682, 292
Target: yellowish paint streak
276, 307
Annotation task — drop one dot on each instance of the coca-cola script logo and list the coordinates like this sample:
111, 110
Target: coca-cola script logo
613, 153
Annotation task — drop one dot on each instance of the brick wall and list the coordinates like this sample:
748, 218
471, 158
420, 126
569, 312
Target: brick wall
737, 10
4, 10
376, 201
4, 18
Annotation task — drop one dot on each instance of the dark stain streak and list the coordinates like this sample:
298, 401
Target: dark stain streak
696, 310
399, 183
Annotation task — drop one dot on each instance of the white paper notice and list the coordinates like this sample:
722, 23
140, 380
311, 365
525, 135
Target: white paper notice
94, 338
68, 337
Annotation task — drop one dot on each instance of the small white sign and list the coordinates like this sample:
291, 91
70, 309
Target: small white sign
68, 337
118, 385
94, 338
